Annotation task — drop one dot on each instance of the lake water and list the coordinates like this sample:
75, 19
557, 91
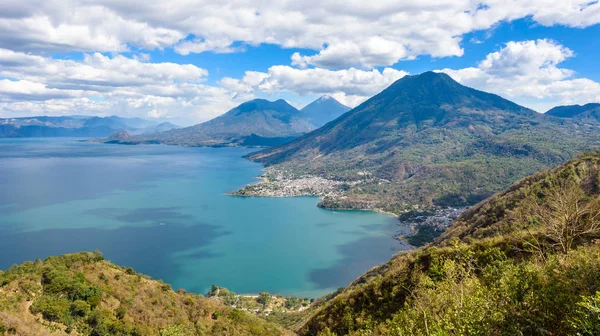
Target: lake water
163, 211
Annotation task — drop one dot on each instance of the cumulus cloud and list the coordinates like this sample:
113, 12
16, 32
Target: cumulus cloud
103, 85
350, 86
528, 72
342, 33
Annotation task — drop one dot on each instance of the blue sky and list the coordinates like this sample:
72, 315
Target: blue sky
188, 61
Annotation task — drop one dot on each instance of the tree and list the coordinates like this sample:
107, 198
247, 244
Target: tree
264, 298
214, 291
567, 215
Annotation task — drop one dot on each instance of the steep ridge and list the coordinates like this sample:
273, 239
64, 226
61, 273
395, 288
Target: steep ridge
503, 268
427, 140
252, 121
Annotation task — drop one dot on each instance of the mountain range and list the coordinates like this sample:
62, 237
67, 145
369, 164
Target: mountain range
77, 126
427, 141
258, 122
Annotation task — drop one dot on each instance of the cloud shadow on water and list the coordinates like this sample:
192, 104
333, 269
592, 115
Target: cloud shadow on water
147, 249
161, 215
357, 257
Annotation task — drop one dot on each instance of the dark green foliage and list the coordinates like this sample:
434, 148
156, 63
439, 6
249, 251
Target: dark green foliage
80, 308
587, 316
294, 302
52, 308
424, 235
103, 323
264, 298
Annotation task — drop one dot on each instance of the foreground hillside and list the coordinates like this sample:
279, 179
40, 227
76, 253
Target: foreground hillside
424, 141
81, 294
524, 262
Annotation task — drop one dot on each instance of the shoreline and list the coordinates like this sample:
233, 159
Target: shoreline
425, 225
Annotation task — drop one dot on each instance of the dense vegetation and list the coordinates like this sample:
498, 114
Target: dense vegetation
524, 262
429, 141
81, 294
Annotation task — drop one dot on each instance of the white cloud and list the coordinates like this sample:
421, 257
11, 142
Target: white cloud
26, 90
104, 85
349, 86
343, 33
529, 73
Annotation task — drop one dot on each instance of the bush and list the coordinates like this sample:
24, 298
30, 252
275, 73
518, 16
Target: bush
52, 309
264, 298
587, 317
120, 312
80, 308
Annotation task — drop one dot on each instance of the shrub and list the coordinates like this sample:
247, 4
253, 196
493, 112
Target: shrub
80, 308
120, 312
52, 309
587, 318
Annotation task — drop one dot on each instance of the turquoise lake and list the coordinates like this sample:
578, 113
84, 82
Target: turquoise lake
163, 210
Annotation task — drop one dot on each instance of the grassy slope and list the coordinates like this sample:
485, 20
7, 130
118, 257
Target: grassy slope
494, 272
81, 294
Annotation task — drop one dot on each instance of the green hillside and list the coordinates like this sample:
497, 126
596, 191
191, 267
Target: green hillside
81, 294
524, 262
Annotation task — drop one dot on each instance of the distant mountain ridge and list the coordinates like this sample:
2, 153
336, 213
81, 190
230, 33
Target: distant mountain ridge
578, 112
76, 126
428, 140
323, 110
258, 122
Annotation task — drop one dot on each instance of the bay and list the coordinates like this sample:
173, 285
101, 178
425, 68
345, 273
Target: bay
163, 210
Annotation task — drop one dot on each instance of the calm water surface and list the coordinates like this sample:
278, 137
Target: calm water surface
163, 210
